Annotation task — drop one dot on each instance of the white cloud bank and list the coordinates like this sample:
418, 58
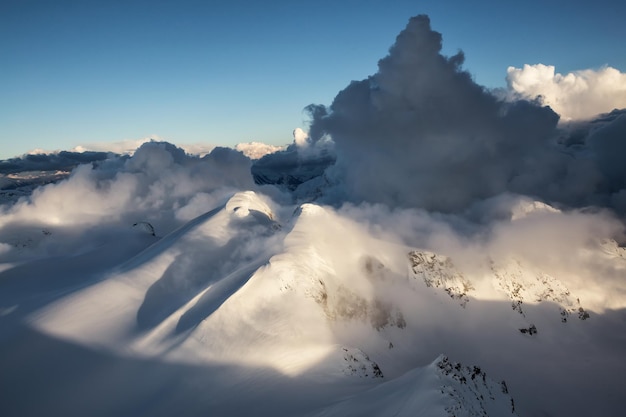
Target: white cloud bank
129, 146
576, 95
257, 150
159, 183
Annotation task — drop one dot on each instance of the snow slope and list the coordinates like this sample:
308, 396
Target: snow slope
442, 388
268, 294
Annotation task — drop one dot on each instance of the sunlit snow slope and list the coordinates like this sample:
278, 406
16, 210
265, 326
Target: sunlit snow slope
313, 295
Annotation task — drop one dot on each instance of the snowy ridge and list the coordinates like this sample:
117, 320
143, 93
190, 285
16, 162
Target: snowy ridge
20, 185
438, 271
313, 295
153, 291
473, 393
359, 364
342, 284
443, 388
520, 282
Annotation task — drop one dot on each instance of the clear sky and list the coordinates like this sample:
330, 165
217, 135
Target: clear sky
224, 72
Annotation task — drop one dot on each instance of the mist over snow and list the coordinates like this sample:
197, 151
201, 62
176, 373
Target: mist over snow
576, 95
425, 248
160, 184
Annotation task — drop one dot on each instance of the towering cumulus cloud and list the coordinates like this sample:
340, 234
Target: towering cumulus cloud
421, 133
576, 95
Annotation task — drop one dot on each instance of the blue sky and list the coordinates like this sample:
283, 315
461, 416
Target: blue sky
224, 72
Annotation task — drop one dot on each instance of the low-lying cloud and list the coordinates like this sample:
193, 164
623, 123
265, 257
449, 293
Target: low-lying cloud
58, 161
159, 184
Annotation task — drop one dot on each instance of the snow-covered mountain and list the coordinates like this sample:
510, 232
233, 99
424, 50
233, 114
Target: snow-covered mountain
17, 185
442, 388
312, 295
425, 249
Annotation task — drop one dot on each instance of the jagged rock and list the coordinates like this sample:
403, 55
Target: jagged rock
521, 283
438, 271
530, 330
145, 227
359, 364
472, 392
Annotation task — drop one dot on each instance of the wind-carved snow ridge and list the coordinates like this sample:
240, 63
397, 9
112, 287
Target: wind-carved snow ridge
438, 271
173, 285
246, 203
472, 392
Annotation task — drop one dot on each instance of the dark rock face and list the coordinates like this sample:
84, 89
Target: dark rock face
288, 169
